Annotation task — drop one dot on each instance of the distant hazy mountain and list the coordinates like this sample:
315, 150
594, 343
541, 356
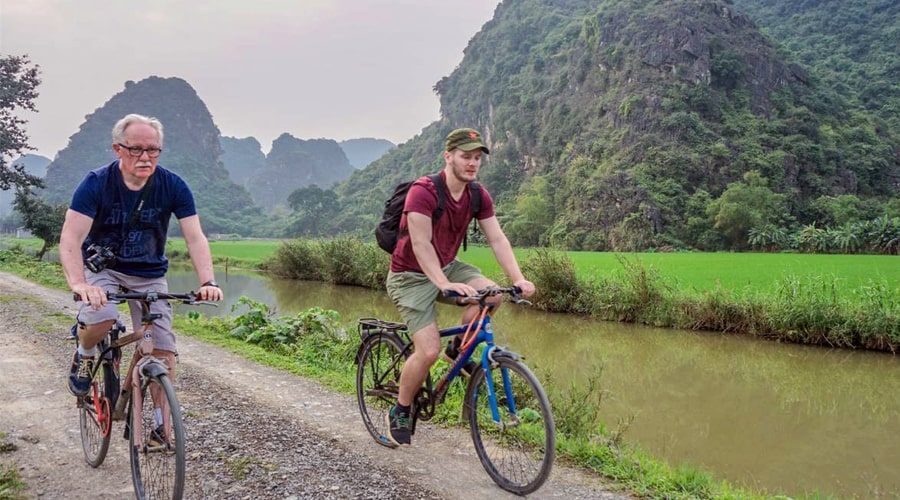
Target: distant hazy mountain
191, 148
242, 158
34, 165
363, 151
294, 163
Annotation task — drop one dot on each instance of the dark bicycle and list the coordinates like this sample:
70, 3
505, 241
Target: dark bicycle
156, 439
507, 410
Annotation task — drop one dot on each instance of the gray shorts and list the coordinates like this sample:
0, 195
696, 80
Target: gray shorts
111, 281
415, 295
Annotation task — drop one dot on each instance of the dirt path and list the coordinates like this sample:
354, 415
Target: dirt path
253, 432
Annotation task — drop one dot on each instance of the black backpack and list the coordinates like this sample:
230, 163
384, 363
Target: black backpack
387, 233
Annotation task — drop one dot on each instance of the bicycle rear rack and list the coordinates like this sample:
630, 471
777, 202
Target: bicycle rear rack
371, 326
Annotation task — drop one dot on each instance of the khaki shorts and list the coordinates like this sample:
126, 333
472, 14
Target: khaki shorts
415, 295
110, 281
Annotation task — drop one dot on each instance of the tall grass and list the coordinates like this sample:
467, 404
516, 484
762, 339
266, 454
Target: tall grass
803, 308
342, 261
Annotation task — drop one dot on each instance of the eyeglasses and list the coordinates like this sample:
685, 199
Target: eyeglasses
136, 151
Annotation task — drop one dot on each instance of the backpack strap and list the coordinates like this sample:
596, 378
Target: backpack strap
441, 188
475, 201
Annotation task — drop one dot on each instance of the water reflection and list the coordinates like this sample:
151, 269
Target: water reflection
786, 418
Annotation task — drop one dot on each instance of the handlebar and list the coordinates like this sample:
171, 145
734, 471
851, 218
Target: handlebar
512, 291
189, 298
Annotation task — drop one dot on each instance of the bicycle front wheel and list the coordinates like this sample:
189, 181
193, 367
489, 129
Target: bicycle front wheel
517, 450
95, 416
156, 440
378, 382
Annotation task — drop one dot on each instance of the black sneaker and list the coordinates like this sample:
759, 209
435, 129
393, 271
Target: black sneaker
399, 431
80, 374
452, 352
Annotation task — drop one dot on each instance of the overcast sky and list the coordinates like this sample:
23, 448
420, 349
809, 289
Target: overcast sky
338, 69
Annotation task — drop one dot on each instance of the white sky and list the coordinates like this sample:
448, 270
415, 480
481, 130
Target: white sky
338, 69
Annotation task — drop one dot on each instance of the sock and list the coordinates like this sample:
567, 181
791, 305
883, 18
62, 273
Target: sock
87, 353
402, 410
158, 414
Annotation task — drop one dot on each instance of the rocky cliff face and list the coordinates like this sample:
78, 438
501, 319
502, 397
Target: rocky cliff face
294, 163
636, 113
191, 148
242, 158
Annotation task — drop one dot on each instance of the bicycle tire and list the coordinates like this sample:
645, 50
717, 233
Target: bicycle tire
95, 416
518, 452
376, 389
157, 469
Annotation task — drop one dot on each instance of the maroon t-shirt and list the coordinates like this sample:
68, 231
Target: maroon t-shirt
447, 233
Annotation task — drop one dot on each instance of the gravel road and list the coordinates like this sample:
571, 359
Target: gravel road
252, 432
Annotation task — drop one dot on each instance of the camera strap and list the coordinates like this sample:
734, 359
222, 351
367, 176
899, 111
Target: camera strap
136, 213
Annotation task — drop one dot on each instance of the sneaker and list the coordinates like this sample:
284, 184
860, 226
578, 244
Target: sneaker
80, 374
398, 428
157, 437
452, 352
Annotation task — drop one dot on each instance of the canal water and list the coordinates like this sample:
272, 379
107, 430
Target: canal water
785, 418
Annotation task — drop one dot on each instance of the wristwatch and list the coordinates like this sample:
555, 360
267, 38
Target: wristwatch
210, 283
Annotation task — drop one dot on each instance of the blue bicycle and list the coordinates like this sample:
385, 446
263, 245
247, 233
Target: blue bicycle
507, 410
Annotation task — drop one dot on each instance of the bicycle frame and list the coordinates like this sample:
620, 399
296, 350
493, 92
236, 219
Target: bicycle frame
484, 334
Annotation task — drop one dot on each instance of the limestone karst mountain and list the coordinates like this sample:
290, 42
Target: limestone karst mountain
191, 148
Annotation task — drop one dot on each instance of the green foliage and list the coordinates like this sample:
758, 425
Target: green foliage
18, 90
743, 206
46, 273
11, 485
576, 410
532, 213
256, 326
345, 261
314, 211
43, 220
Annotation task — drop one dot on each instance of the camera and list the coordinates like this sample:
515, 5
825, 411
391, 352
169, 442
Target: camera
99, 258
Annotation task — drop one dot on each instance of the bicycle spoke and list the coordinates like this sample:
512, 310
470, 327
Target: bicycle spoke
95, 418
517, 450
377, 383
157, 448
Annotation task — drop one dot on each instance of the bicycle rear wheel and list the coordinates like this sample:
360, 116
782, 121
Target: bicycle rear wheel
157, 449
378, 381
95, 416
518, 450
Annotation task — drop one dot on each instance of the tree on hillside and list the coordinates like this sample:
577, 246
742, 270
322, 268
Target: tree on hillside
18, 90
43, 220
745, 205
312, 204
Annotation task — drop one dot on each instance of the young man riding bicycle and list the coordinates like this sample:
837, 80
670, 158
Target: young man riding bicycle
116, 226
424, 264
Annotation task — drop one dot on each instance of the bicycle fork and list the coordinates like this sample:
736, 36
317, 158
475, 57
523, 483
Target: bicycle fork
148, 368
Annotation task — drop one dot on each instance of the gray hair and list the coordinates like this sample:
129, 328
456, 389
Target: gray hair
118, 131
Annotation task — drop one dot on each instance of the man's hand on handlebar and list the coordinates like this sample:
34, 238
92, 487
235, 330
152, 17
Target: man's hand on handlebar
212, 293
460, 289
526, 286
93, 295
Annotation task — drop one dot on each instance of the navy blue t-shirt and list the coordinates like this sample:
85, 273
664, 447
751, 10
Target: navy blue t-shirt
140, 247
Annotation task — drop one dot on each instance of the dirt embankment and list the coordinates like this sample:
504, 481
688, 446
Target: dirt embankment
252, 431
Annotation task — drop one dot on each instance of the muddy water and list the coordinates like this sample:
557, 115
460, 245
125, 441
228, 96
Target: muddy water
783, 418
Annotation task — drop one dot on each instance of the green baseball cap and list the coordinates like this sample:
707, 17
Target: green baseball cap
466, 139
